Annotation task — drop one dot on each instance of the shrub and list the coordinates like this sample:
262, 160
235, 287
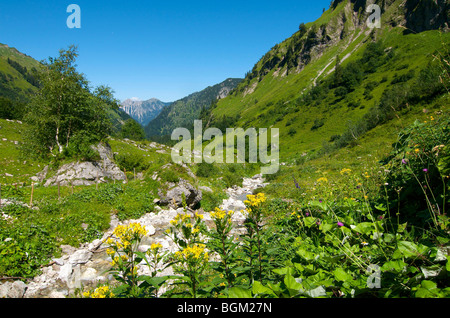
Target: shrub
205, 170
169, 176
317, 124
130, 162
80, 147
416, 179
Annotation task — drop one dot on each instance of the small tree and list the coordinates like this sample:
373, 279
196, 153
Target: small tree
63, 107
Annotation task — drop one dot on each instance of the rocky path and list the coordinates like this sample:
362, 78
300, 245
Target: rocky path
88, 265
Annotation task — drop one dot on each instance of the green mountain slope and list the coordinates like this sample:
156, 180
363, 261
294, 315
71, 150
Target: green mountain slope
294, 86
183, 112
17, 81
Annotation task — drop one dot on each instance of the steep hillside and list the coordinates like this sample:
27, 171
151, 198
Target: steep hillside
295, 86
17, 81
143, 111
183, 112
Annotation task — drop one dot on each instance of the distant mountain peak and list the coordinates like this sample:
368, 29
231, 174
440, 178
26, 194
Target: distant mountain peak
143, 111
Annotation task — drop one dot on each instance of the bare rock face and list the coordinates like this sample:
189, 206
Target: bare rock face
12, 289
88, 173
174, 195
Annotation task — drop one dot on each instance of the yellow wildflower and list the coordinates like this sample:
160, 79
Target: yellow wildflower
218, 214
100, 292
255, 200
345, 171
323, 179
156, 246
195, 252
200, 216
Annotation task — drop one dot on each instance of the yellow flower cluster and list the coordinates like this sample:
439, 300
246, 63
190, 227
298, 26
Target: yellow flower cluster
117, 258
126, 234
180, 217
196, 252
200, 216
220, 214
345, 171
255, 200
130, 231
323, 179
155, 247
100, 292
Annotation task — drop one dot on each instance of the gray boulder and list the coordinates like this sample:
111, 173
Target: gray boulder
88, 173
174, 195
12, 289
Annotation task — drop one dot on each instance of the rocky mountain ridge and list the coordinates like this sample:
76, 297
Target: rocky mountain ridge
143, 111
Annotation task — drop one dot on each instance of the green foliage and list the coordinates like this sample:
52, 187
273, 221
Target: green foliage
80, 147
132, 130
131, 162
64, 107
10, 109
414, 172
205, 170
169, 176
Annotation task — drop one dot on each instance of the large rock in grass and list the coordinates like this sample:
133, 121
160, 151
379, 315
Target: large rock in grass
174, 195
90, 172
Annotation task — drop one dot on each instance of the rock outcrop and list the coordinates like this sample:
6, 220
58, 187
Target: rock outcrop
174, 195
87, 173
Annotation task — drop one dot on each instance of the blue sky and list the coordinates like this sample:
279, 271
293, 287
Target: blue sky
161, 49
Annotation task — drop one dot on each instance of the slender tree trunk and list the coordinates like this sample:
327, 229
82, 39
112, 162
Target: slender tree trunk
60, 147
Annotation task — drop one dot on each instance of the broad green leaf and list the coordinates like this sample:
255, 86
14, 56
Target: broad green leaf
324, 227
299, 267
155, 281
276, 288
322, 205
307, 255
292, 285
284, 270
409, 249
397, 266
310, 221
401, 227
427, 289
364, 228
238, 292
341, 275
388, 237
259, 288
